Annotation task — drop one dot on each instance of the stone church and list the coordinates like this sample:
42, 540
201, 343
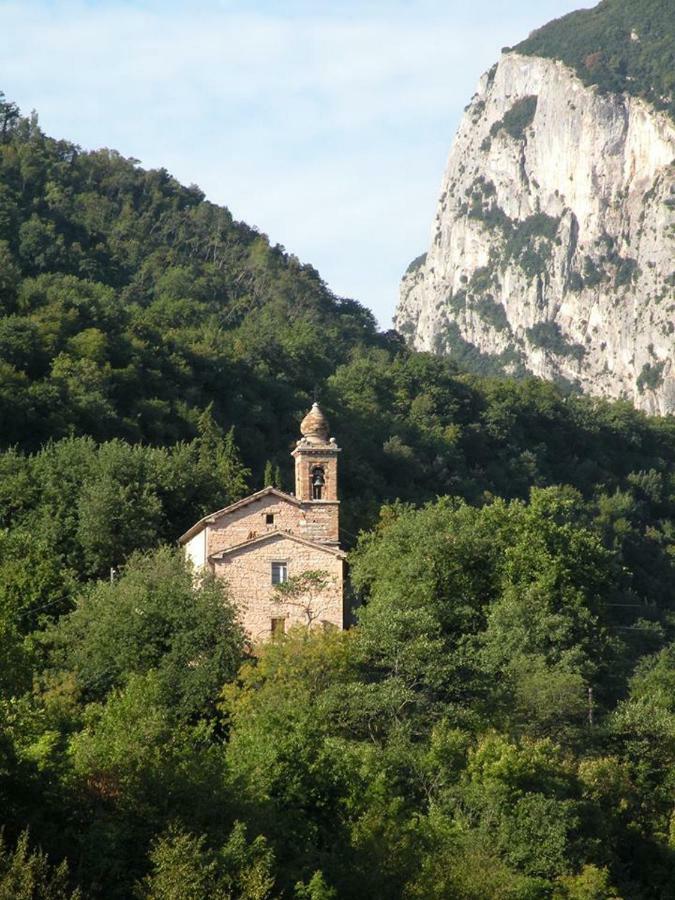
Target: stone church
270, 537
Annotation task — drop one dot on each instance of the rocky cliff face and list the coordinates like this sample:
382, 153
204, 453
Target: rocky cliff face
552, 247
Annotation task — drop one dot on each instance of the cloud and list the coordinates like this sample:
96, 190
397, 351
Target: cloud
327, 125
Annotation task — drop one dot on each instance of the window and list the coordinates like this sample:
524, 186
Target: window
279, 572
269, 519
278, 627
318, 482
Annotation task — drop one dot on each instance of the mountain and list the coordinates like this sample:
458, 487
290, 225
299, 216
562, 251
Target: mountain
499, 724
552, 245
134, 310
129, 303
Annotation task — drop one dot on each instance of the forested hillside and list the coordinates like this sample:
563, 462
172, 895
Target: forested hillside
618, 45
501, 721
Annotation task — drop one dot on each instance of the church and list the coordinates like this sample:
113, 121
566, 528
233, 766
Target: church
266, 539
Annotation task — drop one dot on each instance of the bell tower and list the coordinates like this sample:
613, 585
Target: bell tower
316, 483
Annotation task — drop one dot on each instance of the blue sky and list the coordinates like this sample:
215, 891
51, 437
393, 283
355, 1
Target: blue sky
326, 125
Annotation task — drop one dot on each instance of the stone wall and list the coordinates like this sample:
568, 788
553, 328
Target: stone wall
307, 457
316, 521
248, 573
320, 522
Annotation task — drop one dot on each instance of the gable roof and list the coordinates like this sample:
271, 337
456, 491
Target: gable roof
252, 498
278, 533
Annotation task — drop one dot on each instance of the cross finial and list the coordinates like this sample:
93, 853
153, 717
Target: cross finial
316, 393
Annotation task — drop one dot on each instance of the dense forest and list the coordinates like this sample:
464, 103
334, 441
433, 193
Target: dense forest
500, 722
618, 45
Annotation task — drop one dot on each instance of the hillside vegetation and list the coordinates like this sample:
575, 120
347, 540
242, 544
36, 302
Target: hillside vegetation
618, 45
499, 724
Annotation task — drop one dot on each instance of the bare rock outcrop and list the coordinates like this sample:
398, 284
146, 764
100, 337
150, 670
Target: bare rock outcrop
552, 246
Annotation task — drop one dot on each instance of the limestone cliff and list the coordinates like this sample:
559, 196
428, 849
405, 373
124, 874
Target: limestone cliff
552, 246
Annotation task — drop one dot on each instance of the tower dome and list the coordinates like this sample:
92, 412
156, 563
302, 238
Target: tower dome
314, 427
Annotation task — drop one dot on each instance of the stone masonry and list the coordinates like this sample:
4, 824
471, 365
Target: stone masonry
247, 572
292, 533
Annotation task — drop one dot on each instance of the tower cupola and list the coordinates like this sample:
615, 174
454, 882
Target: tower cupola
316, 460
314, 427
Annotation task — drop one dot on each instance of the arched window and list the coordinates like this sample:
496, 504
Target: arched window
318, 482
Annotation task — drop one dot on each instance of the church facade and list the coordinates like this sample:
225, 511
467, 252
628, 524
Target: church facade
273, 538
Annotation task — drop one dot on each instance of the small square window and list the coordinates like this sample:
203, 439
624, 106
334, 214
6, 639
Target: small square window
278, 627
269, 519
279, 572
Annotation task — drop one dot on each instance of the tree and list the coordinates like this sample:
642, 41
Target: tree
439, 749
26, 874
219, 459
118, 509
592, 883
182, 867
291, 779
9, 278
487, 606
315, 889
9, 114
35, 585
305, 592
135, 765
272, 475
185, 868
156, 615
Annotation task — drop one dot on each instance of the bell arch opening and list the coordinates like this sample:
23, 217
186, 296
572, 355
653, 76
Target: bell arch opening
318, 482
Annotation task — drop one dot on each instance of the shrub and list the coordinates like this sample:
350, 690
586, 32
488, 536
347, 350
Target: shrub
492, 312
575, 282
592, 274
548, 336
529, 242
481, 280
651, 376
416, 264
517, 119
626, 272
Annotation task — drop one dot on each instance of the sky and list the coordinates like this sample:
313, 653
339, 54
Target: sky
324, 124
